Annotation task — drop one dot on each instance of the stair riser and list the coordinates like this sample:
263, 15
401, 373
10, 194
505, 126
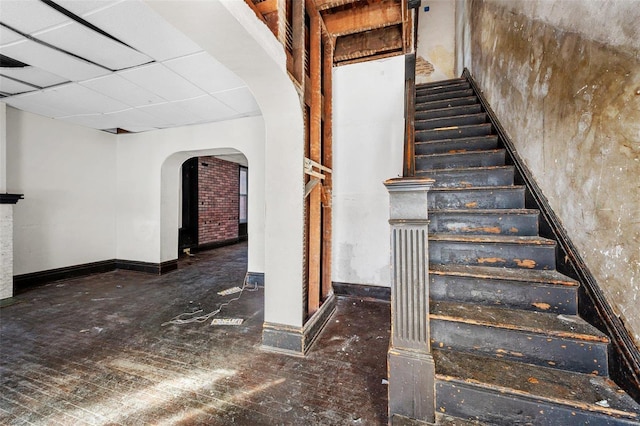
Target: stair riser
483, 224
456, 145
448, 112
442, 88
477, 199
463, 120
472, 402
524, 256
470, 178
451, 94
538, 349
510, 294
447, 103
460, 160
451, 133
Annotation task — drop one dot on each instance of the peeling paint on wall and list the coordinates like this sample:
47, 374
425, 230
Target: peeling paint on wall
570, 101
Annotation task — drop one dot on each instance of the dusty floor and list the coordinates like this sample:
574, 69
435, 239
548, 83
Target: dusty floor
93, 351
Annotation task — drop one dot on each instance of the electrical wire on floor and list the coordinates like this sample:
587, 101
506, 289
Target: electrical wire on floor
188, 317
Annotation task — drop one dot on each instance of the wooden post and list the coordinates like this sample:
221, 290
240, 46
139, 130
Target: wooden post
327, 161
297, 35
411, 370
315, 154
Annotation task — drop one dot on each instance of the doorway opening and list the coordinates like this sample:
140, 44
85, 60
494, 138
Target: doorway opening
214, 197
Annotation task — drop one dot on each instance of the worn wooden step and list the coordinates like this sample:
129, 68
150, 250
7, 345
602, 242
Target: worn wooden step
459, 120
439, 88
503, 392
443, 95
446, 103
456, 145
465, 159
493, 250
453, 132
448, 112
484, 222
470, 177
440, 83
498, 197
533, 290
564, 342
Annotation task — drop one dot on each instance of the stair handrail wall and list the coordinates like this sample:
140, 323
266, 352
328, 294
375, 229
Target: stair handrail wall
592, 304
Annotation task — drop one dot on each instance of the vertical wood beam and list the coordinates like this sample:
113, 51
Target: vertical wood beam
298, 48
327, 161
315, 154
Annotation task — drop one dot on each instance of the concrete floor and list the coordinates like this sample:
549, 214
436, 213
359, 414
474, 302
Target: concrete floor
93, 351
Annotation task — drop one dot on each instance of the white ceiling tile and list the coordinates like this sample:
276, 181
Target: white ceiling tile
205, 72
29, 16
240, 100
171, 114
89, 44
33, 75
31, 102
73, 99
7, 36
207, 108
160, 80
140, 27
135, 118
123, 90
51, 60
12, 87
95, 121
83, 7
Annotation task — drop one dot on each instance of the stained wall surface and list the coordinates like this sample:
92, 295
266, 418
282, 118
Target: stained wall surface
435, 53
564, 79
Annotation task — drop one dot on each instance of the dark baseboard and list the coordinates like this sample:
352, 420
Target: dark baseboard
297, 340
362, 291
35, 279
255, 278
148, 267
217, 244
24, 282
624, 367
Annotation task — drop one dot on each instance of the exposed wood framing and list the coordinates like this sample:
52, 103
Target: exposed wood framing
369, 43
368, 17
298, 48
327, 160
329, 4
315, 154
267, 6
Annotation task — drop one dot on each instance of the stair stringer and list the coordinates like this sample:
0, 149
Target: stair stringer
624, 365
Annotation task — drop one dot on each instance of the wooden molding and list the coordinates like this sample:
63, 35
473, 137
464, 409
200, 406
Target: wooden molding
369, 43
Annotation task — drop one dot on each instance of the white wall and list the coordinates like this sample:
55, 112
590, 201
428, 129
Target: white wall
368, 132
148, 185
436, 51
67, 174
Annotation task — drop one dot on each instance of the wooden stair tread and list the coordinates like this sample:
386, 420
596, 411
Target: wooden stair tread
466, 169
471, 138
432, 84
466, 126
473, 152
577, 390
547, 324
486, 211
493, 239
477, 188
461, 116
507, 274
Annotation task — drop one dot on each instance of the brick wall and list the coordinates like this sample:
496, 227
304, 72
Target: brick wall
218, 182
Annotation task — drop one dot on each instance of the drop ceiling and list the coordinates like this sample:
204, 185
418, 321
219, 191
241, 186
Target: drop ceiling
110, 65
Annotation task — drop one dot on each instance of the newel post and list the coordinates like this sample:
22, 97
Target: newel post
411, 369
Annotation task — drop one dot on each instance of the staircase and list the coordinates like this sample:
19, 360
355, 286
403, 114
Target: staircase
507, 341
